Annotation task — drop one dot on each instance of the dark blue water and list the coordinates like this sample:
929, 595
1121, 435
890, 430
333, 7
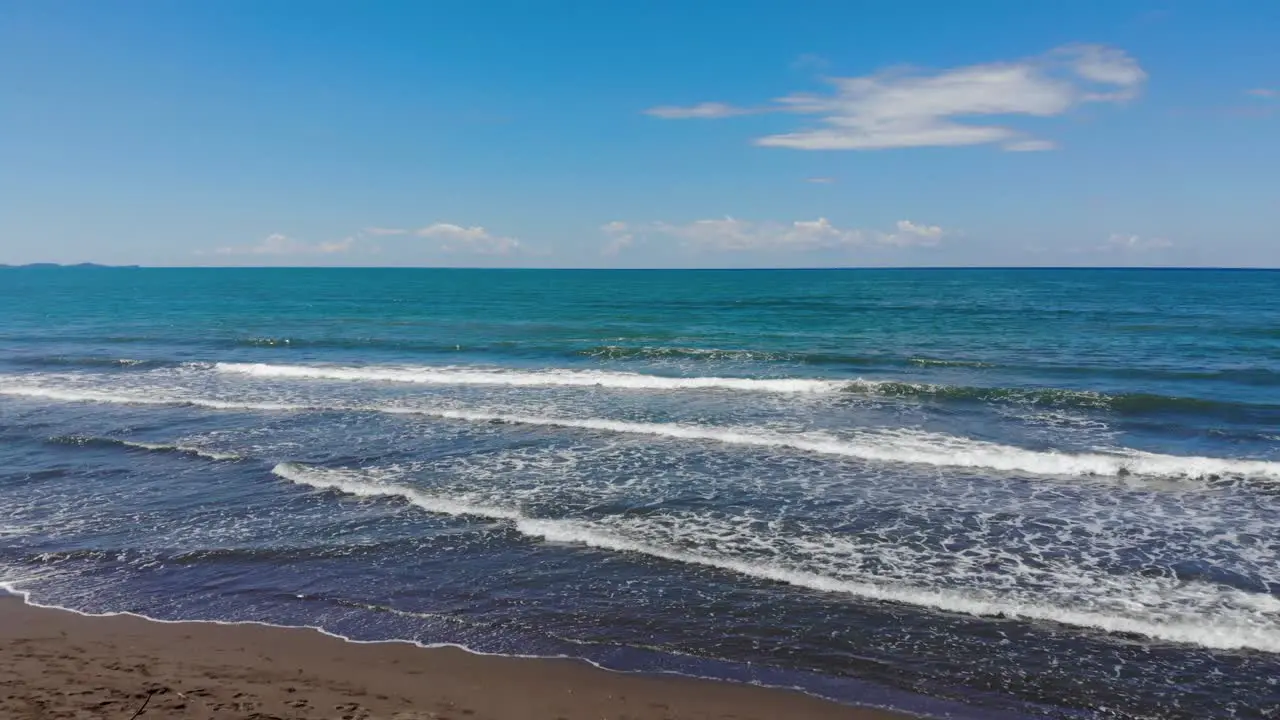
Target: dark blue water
967, 492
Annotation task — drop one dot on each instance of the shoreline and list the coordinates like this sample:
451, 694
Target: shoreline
59, 664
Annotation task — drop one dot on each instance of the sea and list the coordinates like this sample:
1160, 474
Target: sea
961, 493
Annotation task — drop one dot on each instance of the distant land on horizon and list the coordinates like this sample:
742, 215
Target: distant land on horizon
63, 265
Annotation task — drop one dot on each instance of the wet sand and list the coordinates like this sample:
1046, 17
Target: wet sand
57, 665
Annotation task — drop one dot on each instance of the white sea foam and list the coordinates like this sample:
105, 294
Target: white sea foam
77, 395
187, 449
459, 375
357, 483
905, 446
1250, 623
83, 395
886, 445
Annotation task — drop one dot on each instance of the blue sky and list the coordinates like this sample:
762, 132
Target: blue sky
640, 134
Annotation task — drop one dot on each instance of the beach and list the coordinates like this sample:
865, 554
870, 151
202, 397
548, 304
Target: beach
57, 665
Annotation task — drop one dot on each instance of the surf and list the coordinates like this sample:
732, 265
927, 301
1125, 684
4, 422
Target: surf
900, 446
1221, 634
467, 375
174, 448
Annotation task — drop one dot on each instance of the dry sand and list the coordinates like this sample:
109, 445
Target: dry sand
56, 665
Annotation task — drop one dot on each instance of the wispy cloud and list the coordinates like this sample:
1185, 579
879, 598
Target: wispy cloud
446, 237
280, 244
820, 180
1135, 243
907, 233
620, 237
901, 108
701, 111
1268, 93
733, 235
474, 239
1030, 145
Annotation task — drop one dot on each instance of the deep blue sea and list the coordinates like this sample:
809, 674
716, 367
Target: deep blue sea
969, 493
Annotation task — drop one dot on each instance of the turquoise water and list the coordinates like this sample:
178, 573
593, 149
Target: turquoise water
1048, 493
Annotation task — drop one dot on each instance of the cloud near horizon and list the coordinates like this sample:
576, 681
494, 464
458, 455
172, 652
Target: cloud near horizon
732, 235
281, 244
447, 237
474, 239
1135, 243
899, 108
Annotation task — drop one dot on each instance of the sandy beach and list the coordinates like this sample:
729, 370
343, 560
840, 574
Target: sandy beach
57, 665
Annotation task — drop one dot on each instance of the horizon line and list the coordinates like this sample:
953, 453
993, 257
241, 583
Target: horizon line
136, 266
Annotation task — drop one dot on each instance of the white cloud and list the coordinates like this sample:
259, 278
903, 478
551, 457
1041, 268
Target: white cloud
733, 235
1030, 145
704, 111
1105, 66
1135, 243
1264, 93
907, 233
820, 180
474, 239
279, 244
448, 237
726, 234
620, 237
898, 108
339, 246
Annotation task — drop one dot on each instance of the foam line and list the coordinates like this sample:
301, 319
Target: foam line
454, 375
889, 446
1204, 633
184, 449
904, 446
1126, 403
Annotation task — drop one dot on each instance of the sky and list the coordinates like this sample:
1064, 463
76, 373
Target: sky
640, 133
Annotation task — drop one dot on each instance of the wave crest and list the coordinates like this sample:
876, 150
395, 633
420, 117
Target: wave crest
463, 375
148, 446
1205, 633
889, 446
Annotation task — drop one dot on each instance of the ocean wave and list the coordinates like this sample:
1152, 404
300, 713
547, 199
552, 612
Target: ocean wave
601, 351
357, 483
357, 343
662, 352
1123, 403
1202, 632
907, 447
666, 352
78, 395
935, 362
901, 446
40, 361
148, 446
464, 375
184, 449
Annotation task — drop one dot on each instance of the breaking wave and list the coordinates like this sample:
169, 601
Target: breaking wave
874, 445
1220, 633
462, 375
148, 446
